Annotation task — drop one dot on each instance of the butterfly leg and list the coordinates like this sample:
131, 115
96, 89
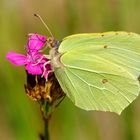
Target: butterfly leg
44, 56
44, 70
44, 48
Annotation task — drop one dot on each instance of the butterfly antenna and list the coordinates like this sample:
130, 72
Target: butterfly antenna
38, 16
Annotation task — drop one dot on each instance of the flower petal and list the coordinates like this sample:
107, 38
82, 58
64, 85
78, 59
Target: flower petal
16, 59
34, 69
36, 42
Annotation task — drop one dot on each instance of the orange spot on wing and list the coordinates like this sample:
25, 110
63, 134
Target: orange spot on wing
104, 81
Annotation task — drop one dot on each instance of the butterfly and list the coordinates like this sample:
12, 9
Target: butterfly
99, 71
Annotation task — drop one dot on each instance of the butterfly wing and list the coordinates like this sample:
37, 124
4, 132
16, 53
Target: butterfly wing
100, 71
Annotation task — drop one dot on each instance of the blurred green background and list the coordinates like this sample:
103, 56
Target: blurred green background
20, 117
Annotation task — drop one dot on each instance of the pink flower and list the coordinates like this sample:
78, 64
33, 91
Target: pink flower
35, 63
35, 42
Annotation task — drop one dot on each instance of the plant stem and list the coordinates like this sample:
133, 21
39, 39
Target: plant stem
46, 130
